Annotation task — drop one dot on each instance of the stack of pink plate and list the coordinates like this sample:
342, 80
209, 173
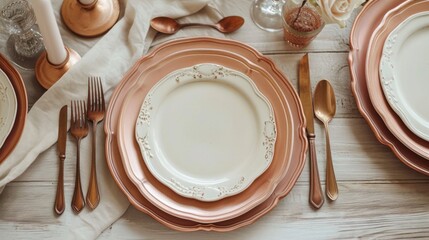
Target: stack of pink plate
13, 107
155, 115
386, 88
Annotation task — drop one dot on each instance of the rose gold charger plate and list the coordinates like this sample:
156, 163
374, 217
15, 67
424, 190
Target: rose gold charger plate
162, 196
370, 17
393, 122
22, 107
148, 195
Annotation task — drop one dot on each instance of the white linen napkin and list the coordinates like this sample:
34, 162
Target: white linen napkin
110, 58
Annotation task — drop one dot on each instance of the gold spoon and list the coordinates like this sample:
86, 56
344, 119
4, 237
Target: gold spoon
324, 109
169, 25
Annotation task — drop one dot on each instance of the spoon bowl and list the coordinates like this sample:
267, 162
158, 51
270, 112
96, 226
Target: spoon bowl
168, 25
229, 24
165, 25
324, 109
324, 101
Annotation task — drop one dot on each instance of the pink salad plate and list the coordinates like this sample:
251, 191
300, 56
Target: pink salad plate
162, 196
133, 81
370, 17
22, 107
375, 50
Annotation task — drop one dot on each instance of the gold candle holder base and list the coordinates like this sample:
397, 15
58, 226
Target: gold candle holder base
90, 20
47, 73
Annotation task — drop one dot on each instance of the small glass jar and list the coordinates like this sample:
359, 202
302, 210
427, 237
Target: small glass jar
24, 44
301, 23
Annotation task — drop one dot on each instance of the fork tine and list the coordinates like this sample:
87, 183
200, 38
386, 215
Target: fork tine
76, 114
97, 90
72, 114
94, 94
91, 94
103, 105
83, 114
79, 113
89, 97
98, 83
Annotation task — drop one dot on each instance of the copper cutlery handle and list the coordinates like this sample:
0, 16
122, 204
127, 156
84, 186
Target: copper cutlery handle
331, 181
316, 195
93, 195
59, 197
198, 25
78, 201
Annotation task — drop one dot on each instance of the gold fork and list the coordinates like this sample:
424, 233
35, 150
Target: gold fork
79, 129
96, 110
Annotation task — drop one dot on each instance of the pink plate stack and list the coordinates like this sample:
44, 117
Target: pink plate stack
179, 206
372, 39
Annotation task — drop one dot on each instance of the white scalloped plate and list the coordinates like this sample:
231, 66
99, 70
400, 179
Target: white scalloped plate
206, 132
404, 72
8, 107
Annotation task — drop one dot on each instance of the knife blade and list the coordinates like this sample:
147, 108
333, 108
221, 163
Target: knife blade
305, 94
61, 147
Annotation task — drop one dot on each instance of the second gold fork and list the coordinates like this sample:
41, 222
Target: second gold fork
96, 110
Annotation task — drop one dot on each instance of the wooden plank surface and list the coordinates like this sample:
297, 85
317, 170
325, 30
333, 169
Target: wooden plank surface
365, 209
379, 196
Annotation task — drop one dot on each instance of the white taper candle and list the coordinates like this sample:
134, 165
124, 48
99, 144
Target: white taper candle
52, 40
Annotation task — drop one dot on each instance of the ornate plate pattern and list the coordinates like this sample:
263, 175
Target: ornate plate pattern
8, 107
206, 132
403, 72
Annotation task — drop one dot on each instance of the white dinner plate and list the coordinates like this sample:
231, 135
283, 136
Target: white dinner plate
206, 132
404, 72
8, 107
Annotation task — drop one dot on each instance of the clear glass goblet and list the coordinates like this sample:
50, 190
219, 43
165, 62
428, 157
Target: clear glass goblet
24, 44
267, 14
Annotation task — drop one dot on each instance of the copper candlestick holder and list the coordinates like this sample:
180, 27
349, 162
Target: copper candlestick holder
90, 20
47, 73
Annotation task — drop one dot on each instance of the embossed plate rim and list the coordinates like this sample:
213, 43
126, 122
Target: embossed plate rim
8, 107
205, 74
389, 78
389, 118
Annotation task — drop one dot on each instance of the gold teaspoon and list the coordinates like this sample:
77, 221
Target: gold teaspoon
324, 109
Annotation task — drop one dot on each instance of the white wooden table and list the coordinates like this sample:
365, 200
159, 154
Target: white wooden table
379, 196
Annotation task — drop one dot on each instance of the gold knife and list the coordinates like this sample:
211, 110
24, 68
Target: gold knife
61, 145
305, 94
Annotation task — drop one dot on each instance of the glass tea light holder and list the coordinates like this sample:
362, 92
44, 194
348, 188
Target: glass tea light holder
24, 44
